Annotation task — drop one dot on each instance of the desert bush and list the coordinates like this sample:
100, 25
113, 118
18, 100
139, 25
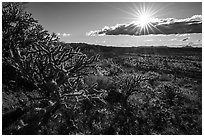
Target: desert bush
145, 110
120, 96
101, 81
152, 77
173, 105
110, 67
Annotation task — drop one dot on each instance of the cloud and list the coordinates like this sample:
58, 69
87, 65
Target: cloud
157, 26
63, 34
66, 34
185, 39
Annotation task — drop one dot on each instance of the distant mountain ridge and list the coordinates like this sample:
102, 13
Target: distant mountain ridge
110, 51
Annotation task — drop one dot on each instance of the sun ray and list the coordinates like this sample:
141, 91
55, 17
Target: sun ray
150, 27
156, 28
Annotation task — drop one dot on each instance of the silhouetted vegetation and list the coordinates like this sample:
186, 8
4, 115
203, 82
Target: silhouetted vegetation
55, 88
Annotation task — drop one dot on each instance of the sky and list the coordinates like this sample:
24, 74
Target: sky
122, 23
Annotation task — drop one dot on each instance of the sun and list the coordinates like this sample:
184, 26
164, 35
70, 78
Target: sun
144, 19
145, 16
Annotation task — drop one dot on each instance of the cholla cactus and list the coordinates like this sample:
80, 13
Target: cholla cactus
58, 74
57, 71
50, 66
